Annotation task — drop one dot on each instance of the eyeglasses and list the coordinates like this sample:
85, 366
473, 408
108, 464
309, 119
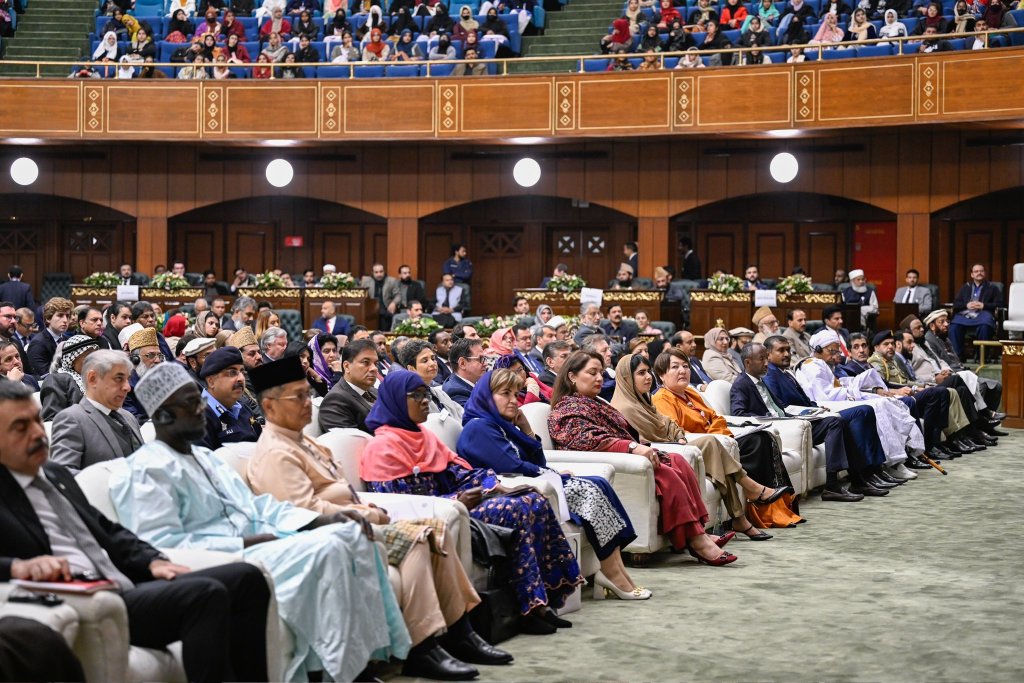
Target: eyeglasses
479, 358
302, 398
419, 395
153, 356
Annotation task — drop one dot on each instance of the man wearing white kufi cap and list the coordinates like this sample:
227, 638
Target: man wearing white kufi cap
195, 353
859, 293
330, 582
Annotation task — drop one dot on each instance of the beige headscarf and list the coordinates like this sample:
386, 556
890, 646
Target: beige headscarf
637, 408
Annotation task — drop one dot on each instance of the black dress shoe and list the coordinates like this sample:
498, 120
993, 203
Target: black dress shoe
949, 450
535, 625
886, 477
866, 489
876, 481
992, 431
915, 464
998, 417
965, 445
841, 496
974, 443
935, 453
476, 650
438, 665
555, 620
978, 436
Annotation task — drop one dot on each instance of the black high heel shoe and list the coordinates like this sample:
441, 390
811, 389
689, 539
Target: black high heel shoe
778, 493
759, 536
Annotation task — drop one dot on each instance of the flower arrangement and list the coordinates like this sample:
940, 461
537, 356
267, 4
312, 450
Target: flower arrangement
269, 280
420, 327
566, 283
488, 326
795, 284
338, 281
725, 283
169, 281
100, 279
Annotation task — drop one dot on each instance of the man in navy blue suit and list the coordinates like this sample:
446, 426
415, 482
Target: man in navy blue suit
860, 429
329, 320
466, 359
17, 292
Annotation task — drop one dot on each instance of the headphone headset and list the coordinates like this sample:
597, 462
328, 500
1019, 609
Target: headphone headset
163, 417
134, 357
818, 349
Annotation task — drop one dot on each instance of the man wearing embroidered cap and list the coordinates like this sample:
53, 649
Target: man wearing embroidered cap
331, 585
245, 341
861, 294
145, 354
196, 352
624, 277
766, 323
228, 420
436, 593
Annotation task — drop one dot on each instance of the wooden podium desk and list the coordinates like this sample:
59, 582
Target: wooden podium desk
353, 302
568, 303
1013, 384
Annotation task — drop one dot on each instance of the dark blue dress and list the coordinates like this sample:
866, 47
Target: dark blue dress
592, 502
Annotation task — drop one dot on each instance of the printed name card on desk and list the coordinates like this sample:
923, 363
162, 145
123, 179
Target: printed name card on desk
765, 297
127, 292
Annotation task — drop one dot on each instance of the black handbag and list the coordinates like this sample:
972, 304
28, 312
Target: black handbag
496, 618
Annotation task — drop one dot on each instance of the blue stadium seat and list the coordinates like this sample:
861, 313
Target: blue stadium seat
403, 71
910, 23
839, 54
369, 71
595, 65
333, 71
777, 57
242, 72
670, 62
910, 48
437, 69
958, 44
874, 51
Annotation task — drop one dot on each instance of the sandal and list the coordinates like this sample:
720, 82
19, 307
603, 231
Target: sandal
778, 493
759, 536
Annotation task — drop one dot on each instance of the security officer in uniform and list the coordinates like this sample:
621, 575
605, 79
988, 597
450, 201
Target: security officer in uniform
228, 420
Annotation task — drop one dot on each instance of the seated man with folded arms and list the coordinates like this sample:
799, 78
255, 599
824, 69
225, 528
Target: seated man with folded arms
331, 585
228, 420
49, 532
436, 593
98, 428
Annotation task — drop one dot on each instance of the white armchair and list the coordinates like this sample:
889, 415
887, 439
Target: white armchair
633, 482
1014, 323
102, 642
61, 618
799, 456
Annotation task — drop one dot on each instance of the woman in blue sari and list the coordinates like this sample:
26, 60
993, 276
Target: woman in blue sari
403, 458
496, 435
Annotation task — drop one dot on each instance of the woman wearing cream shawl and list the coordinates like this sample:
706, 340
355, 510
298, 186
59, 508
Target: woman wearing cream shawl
717, 362
721, 455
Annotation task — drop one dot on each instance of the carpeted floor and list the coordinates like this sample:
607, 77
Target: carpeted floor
922, 585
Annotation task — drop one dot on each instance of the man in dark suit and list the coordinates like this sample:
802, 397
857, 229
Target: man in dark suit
42, 348
974, 307
554, 355
409, 290
691, 262
130, 277
384, 289
11, 366
17, 292
349, 401
629, 250
442, 342
618, 328
9, 332
560, 270
98, 428
50, 532
466, 359
116, 317
329, 320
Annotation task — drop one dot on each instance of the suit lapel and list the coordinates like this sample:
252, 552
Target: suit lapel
102, 424
15, 499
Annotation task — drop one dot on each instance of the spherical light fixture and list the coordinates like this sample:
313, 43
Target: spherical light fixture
784, 167
526, 172
279, 173
24, 171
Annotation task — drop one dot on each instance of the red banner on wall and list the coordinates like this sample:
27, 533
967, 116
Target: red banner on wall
293, 240
874, 252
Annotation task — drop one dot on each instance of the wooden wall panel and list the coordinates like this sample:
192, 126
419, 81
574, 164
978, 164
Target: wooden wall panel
141, 110
721, 248
964, 92
823, 249
532, 114
246, 113
771, 247
364, 108
38, 109
605, 106
770, 108
841, 89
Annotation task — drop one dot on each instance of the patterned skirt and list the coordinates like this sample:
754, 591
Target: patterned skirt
594, 505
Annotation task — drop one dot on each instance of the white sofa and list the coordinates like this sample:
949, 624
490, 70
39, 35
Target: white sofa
633, 482
61, 618
804, 462
102, 642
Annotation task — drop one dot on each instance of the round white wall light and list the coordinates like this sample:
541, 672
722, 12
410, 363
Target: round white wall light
279, 173
526, 172
24, 171
784, 167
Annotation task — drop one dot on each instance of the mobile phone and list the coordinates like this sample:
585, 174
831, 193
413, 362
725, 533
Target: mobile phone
45, 599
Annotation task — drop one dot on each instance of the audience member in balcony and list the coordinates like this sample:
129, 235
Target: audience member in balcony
963, 18
996, 15
679, 39
232, 26
276, 24
376, 49
634, 378
495, 29
440, 22
717, 362
755, 34
443, 50
189, 6
836, 7
107, 48
306, 53
181, 24
374, 20
734, 14
262, 72
933, 19
702, 14
892, 27
795, 9
795, 34
150, 71
304, 26
766, 12
125, 69
636, 17
402, 20
209, 44
715, 40
497, 435
116, 25
619, 40
295, 8
980, 42
829, 32
580, 421
142, 47
195, 70
288, 68
339, 20
184, 55
275, 49
691, 60
210, 23
667, 14
860, 29
267, 7
235, 51
465, 24
650, 42
346, 52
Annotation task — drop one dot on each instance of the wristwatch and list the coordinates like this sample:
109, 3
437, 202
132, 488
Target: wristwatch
632, 446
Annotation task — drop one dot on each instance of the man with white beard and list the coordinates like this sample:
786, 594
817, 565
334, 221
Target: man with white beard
859, 293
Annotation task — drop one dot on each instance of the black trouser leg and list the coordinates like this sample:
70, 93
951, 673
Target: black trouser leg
829, 431
31, 651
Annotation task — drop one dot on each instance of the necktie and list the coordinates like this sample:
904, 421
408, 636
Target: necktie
73, 523
766, 396
125, 429
909, 298
447, 295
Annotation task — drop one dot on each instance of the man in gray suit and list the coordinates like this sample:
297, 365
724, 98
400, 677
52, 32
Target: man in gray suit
385, 290
914, 293
97, 428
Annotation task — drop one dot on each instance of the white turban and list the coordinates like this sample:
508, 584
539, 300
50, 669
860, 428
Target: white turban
198, 344
857, 272
555, 322
159, 382
126, 332
824, 337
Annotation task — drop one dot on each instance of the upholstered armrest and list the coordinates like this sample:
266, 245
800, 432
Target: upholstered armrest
102, 643
62, 618
795, 434
691, 453
585, 469
200, 559
454, 513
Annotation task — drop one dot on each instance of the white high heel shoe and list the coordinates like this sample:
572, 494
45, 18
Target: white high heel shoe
602, 587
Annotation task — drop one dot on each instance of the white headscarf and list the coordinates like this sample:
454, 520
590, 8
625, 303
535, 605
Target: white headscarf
106, 48
126, 69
